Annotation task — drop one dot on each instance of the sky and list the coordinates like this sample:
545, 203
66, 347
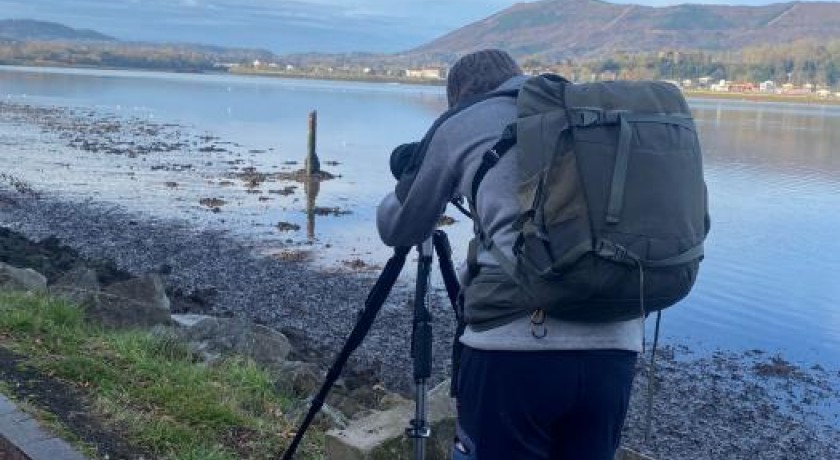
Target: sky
281, 26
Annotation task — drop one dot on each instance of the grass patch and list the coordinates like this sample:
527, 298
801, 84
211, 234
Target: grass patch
151, 390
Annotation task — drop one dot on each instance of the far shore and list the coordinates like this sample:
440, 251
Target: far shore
689, 93
761, 97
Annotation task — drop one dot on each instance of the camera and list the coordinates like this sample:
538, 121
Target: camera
401, 158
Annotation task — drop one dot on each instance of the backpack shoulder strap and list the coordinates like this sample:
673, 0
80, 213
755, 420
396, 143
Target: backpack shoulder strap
492, 157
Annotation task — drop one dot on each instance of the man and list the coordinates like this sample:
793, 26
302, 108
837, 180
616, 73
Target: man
528, 387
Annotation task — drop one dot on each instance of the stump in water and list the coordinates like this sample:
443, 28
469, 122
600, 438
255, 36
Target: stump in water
311, 163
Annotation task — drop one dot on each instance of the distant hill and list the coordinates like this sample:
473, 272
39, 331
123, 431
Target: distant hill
556, 29
29, 30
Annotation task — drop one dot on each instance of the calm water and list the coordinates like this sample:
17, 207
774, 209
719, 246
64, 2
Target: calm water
771, 279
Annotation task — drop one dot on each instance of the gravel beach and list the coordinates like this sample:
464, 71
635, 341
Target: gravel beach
725, 405
710, 405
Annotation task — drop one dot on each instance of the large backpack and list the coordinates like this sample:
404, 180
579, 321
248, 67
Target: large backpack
613, 204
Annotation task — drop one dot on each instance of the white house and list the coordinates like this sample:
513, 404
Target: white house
430, 73
767, 86
722, 86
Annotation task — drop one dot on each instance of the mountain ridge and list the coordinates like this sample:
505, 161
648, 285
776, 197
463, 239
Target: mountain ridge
31, 30
560, 29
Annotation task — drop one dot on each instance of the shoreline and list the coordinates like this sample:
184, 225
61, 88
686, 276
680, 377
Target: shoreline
688, 93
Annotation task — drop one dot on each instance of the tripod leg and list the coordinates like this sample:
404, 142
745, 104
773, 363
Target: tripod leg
421, 347
377, 296
453, 289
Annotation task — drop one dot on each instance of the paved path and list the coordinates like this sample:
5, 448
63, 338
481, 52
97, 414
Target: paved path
20, 430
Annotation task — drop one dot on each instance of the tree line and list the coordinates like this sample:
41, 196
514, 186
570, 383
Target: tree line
124, 55
798, 63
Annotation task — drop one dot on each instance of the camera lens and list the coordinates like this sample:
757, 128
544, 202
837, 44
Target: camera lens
401, 158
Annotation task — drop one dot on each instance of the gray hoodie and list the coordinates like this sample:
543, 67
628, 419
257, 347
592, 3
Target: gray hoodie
453, 156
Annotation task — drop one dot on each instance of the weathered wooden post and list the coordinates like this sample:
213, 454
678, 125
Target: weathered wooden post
311, 164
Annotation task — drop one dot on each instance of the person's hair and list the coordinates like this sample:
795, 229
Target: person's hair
478, 73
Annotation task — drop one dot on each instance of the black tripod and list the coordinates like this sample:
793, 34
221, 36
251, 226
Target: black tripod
421, 339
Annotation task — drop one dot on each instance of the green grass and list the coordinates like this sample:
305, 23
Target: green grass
151, 390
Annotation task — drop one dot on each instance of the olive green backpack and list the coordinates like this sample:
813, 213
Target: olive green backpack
613, 202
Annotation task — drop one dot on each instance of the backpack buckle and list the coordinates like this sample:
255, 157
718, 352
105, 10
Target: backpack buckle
538, 328
584, 117
614, 252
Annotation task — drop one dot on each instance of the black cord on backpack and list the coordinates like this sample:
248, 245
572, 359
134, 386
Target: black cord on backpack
652, 367
652, 378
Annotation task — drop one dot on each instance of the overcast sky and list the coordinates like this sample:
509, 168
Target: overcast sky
278, 25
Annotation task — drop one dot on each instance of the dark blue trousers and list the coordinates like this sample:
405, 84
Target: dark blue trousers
534, 405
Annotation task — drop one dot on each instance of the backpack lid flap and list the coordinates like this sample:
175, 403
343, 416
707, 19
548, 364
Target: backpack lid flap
636, 96
541, 94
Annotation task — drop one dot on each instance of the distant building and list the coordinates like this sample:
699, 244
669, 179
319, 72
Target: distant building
823, 93
722, 86
687, 83
257, 63
741, 87
767, 86
703, 82
429, 73
607, 75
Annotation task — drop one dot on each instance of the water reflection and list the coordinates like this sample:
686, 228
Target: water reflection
311, 185
774, 136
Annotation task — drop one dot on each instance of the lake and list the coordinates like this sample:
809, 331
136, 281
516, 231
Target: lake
770, 281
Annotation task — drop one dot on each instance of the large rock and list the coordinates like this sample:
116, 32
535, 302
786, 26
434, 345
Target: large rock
138, 302
213, 337
79, 286
21, 279
381, 435
297, 378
